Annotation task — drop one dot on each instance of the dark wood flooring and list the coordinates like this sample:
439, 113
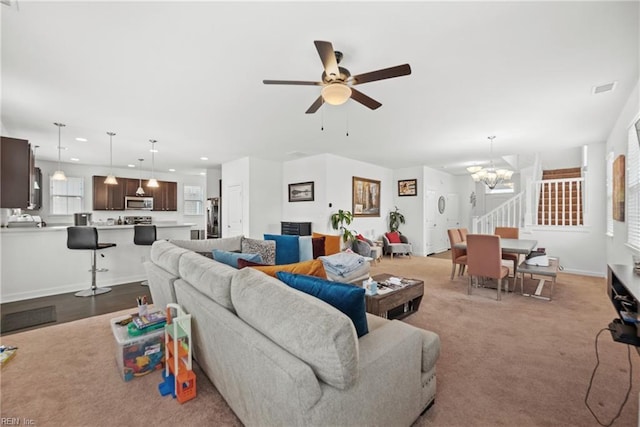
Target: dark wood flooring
70, 307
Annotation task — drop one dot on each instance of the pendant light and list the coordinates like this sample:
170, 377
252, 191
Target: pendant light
490, 176
140, 190
59, 174
111, 179
153, 182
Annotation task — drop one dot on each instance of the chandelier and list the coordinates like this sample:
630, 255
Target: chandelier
490, 176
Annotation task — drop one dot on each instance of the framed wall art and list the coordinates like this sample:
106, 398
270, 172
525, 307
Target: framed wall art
366, 197
618, 188
301, 192
408, 187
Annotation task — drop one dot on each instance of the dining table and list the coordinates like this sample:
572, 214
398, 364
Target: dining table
517, 246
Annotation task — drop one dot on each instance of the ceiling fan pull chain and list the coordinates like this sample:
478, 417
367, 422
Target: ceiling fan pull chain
347, 120
322, 117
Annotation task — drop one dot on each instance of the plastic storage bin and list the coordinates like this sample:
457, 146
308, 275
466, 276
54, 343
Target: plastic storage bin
140, 355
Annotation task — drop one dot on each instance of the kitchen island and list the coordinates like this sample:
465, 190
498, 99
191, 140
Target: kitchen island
36, 262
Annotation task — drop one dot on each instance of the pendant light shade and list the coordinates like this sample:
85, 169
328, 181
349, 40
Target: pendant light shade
59, 174
140, 190
36, 184
490, 176
152, 182
111, 179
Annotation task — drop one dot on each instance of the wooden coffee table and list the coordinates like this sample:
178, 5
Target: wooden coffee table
398, 303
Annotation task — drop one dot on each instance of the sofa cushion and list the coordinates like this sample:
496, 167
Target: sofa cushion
318, 246
287, 248
313, 267
305, 248
305, 326
266, 249
166, 255
331, 243
348, 299
231, 244
393, 237
242, 263
208, 276
231, 258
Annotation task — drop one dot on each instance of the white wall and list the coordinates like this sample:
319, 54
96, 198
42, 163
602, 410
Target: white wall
261, 182
308, 169
617, 250
412, 207
213, 182
88, 171
562, 159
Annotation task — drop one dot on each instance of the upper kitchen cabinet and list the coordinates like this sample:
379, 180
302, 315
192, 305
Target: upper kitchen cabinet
16, 173
108, 197
165, 196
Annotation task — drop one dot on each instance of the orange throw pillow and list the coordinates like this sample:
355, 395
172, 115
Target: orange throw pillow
312, 267
331, 243
393, 237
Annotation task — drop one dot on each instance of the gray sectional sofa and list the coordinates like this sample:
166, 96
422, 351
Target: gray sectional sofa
281, 357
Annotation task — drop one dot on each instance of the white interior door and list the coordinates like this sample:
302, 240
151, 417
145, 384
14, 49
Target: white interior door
430, 222
452, 212
234, 211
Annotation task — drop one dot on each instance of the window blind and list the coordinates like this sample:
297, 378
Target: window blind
633, 186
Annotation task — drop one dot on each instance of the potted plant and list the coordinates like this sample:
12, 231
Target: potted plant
339, 220
395, 219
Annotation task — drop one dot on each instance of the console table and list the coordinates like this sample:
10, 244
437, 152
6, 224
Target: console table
623, 289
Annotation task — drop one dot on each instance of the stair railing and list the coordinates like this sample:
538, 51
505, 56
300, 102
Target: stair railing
508, 214
554, 202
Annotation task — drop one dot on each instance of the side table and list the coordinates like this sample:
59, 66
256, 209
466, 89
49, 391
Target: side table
376, 253
535, 270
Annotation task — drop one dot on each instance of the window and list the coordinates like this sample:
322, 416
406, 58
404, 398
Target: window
193, 200
610, 157
633, 187
66, 196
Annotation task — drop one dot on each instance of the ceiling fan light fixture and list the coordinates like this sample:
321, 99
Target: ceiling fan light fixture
336, 93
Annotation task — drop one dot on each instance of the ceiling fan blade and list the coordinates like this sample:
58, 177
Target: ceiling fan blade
291, 82
386, 73
363, 99
314, 107
328, 57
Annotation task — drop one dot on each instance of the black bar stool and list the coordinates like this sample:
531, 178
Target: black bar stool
144, 235
86, 238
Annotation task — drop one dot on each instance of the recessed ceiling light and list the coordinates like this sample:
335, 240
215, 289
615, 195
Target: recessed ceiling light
81, 139
74, 159
172, 170
203, 173
204, 158
132, 166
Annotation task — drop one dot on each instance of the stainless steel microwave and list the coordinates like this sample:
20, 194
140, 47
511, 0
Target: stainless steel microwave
138, 203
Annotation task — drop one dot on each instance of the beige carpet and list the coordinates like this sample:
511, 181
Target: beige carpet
518, 362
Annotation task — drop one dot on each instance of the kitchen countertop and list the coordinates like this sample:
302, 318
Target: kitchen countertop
99, 227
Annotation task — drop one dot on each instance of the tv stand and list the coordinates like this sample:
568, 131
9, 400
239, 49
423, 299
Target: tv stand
623, 289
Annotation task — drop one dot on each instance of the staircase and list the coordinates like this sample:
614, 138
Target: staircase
560, 200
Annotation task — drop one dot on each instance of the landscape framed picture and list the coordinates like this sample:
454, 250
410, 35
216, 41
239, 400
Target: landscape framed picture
301, 192
366, 197
408, 187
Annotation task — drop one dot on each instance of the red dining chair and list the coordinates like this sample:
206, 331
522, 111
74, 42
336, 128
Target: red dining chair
484, 260
458, 256
463, 233
509, 233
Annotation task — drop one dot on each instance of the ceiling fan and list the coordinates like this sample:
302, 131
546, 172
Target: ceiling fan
337, 82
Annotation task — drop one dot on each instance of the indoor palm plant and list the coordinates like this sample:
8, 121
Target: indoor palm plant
340, 220
395, 219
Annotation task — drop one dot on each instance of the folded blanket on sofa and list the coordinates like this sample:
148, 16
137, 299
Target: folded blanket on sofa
342, 263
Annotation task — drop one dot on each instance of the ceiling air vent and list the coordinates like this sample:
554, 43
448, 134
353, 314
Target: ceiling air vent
604, 88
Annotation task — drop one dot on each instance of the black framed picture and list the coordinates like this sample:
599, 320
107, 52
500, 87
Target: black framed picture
408, 187
301, 192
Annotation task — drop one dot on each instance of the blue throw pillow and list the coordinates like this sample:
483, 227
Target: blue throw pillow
287, 248
231, 258
348, 299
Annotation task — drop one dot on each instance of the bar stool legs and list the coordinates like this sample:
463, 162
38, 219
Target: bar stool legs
94, 290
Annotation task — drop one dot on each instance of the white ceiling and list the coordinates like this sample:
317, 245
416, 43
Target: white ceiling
190, 75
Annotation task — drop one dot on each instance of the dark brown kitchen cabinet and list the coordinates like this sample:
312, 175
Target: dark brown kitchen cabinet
107, 197
16, 173
165, 196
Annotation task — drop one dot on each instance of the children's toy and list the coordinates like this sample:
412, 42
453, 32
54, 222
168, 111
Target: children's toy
139, 354
178, 377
